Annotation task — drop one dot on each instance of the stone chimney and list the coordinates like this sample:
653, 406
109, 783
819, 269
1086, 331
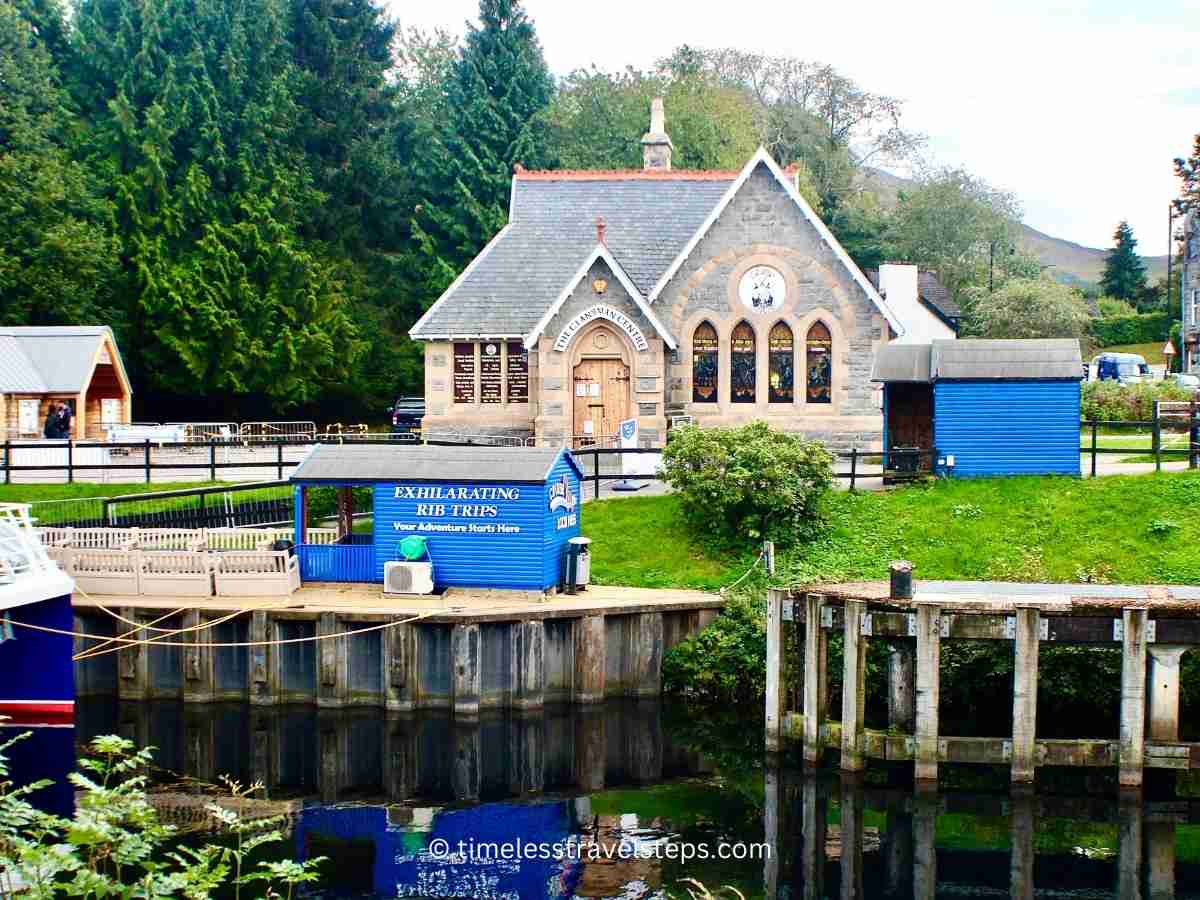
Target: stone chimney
656, 145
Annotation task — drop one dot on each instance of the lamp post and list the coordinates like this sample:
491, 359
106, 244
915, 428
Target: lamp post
992, 261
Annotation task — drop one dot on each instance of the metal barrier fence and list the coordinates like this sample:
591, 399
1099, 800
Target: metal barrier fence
273, 431
235, 506
238, 460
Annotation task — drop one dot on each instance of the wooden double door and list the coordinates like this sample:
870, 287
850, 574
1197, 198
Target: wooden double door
600, 394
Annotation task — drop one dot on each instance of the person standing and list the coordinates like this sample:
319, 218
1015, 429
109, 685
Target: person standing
51, 429
64, 421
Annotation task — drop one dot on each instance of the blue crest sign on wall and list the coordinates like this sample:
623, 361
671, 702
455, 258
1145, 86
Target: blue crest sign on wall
629, 430
563, 501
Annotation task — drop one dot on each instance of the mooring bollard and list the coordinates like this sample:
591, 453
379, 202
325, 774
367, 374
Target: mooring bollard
902, 580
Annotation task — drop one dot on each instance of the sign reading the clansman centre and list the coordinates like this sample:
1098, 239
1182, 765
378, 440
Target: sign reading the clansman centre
600, 311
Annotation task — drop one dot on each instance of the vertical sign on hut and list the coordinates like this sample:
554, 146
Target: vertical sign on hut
464, 373
518, 373
489, 374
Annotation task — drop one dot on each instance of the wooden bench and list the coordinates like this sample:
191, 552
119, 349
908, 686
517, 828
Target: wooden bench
104, 571
175, 573
256, 573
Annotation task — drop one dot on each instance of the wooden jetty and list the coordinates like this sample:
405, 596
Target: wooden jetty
1153, 626
345, 645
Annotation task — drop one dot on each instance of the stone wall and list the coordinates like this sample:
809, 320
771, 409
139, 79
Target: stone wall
600, 339
763, 226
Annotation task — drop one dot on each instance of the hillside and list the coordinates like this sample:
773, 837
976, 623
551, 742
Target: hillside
1071, 261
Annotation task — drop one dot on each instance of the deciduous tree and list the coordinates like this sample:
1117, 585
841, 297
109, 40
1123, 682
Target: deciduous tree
1029, 308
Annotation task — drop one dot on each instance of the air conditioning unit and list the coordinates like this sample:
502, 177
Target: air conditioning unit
408, 578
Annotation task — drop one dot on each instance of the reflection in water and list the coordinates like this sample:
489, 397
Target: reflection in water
347, 754
924, 844
378, 794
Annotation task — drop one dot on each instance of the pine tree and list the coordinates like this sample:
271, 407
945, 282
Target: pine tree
57, 258
195, 124
497, 91
1124, 274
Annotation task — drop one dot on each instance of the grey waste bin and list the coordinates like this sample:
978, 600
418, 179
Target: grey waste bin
577, 565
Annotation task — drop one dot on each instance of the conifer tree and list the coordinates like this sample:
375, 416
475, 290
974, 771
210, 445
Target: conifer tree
57, 259
497, 91
1124, 274
195, 125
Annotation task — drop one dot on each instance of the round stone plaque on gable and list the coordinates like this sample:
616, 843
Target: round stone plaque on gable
762, 289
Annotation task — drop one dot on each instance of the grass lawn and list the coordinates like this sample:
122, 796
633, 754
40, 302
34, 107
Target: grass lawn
31, 493
1140, 528
1152, 352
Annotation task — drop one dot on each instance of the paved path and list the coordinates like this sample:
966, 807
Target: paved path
456, 604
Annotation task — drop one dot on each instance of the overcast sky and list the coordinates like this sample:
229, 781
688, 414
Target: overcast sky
1078, 108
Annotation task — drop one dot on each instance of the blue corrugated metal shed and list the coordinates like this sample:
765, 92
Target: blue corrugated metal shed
496, 518
999, 407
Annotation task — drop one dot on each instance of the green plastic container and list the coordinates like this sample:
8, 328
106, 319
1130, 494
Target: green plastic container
413, 548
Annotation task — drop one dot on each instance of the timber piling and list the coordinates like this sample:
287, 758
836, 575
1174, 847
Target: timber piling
357, 648
1153, 627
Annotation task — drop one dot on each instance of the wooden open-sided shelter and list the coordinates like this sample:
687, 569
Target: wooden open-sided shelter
76, 364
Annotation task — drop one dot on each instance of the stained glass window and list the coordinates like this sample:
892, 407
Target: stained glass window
782, 365
819, 362
742, 363
704, 364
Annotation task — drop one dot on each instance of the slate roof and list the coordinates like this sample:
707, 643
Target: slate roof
421, 462
552, 229
902, 362
1025, 360
929, 289
1006, 360
49, 359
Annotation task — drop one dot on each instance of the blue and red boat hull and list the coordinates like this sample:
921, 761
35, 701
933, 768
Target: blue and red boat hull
38, 683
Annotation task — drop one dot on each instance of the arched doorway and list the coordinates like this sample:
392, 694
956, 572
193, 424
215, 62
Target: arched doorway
600, 389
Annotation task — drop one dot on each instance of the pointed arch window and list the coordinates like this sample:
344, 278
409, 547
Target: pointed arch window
819, 364
742, 363
781, 363
704, 364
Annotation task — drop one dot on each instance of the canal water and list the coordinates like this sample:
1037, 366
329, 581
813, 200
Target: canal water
623, 801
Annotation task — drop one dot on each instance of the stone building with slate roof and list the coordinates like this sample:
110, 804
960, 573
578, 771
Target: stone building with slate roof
655, 294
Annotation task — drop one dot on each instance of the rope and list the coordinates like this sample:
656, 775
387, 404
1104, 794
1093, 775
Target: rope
166, 632
300, 640
745, 575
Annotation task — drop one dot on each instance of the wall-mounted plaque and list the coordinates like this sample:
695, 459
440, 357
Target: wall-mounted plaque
518, 373
490, 367
464, 373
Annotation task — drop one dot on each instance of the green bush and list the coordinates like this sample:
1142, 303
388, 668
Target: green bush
1139, 328
1110, 401
750, 483
727, 661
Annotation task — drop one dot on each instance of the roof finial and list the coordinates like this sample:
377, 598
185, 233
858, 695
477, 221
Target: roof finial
601, 227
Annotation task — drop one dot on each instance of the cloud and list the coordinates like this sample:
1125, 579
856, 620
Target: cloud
1078, 108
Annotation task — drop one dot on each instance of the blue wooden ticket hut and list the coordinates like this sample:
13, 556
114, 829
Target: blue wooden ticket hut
987, 407
491, 517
